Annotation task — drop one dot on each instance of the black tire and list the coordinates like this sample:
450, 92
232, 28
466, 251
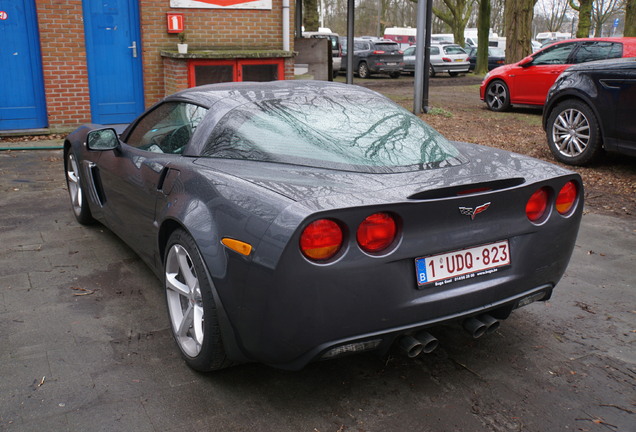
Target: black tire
453, 74
497, 96
76, 193
395, 75
363, 70
573, 133
431, 71
191, 307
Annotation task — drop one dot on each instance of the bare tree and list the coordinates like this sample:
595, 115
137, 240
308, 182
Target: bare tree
497, 16
310, 12
584, 8
554, 13
602, 10
455, 15
483, 31
630, 18
518, 16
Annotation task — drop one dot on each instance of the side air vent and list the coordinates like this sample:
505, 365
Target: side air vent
467, 189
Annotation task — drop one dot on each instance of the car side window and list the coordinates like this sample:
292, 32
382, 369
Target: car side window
597, 50
554, 55
409, 51
434, 50
167, 128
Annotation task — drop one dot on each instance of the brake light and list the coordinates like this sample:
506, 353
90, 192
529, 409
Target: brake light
537, 205
378, 52
400, 52
446, 59
566, 198
376, 232
321, 240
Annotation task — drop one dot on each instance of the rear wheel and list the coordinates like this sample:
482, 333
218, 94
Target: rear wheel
431, 71
191, 306
497, 96
453, 74
395, 75
363, 70
75, 191
573, 133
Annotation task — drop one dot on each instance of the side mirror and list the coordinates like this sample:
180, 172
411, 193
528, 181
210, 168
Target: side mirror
102, 139
526, 61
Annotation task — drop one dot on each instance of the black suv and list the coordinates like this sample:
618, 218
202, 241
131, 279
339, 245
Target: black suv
592, 107
374, 56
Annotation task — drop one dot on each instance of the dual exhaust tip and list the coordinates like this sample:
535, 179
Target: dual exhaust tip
424, 343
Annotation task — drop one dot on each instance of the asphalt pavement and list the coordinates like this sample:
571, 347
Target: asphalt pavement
85, 344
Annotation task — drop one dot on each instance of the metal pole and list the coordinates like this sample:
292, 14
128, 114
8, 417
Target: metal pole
420, 38
427, 56
350, 35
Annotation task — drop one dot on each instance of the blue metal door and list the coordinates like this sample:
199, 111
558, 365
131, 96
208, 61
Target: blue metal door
22, 101
113, 51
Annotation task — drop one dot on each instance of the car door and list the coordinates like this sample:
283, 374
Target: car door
131, 175
531, 82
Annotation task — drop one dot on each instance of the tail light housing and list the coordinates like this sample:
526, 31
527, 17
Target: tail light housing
566, 198
446, 59
378, 52
537, 205
376, 232
321, 240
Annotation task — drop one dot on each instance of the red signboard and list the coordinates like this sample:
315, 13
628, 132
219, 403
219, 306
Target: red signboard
175, 22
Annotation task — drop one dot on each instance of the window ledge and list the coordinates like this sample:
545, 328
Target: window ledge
198, 53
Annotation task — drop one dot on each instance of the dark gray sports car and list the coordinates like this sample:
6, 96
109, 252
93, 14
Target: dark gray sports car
296, 221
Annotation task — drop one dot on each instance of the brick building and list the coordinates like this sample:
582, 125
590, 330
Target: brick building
68, 62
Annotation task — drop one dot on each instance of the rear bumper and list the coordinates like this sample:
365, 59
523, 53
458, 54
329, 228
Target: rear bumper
384, 68
450, 67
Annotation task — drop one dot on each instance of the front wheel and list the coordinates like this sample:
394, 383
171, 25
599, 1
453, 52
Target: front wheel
497, 96
573, 133
363, 70
191, 306
75, 190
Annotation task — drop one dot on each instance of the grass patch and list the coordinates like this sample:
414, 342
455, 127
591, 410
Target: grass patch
440, 112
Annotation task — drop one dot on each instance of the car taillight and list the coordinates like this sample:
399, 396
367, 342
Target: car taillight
566, 198
446, 59
376, 232
537, 204
321, 240
400, 52
378, 52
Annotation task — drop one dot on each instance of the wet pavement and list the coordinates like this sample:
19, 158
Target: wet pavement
85, 344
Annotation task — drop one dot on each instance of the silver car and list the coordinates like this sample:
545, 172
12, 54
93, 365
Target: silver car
449, 58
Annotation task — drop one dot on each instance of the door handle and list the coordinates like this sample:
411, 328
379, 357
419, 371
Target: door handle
134, 49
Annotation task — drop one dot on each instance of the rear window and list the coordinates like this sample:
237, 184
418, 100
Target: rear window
453, 49
351, 131
387, 46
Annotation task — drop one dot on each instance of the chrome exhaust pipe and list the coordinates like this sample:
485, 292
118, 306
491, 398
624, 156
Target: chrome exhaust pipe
410, 346
483, 324
428, 341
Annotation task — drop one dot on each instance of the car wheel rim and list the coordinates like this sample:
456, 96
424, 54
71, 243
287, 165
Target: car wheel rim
571, 132
73, 182
496, 95
185, 304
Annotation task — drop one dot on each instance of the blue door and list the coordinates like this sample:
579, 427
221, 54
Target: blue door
22, 101
113, 51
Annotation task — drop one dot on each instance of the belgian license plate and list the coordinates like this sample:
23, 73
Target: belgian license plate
391, 64
445, 268
459, 59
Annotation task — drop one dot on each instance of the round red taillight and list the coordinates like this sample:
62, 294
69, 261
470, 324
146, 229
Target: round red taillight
321, 240
537, 205
376, 232
566, 198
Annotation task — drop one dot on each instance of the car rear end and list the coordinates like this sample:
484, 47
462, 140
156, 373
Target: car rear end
453, 60
360, 273
385, 57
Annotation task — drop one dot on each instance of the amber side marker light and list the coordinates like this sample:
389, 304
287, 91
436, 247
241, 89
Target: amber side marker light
537, 205
376, 232
321, 240
566, 198
237, 246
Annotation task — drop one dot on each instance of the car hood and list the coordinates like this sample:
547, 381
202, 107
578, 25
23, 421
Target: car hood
323, 189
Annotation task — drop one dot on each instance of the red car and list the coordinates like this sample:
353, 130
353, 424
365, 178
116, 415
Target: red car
527, 82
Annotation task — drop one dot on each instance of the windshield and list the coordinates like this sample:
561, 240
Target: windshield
356, 131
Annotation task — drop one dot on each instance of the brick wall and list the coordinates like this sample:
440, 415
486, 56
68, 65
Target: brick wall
64, 53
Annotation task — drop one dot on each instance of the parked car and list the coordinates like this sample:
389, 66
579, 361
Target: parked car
283, 239
336, 51
527, 82
496, 57
449, 58
373, 57
591, 107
